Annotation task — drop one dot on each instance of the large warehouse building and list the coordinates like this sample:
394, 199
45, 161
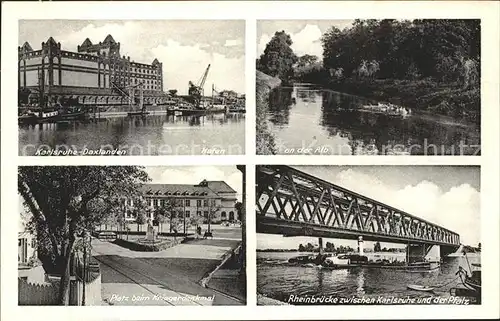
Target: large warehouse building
95, 75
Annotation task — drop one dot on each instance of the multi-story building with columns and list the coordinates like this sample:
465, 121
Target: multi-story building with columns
95, 74
191, 200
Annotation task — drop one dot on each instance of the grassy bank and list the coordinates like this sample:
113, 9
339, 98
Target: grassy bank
264, 138
448, 99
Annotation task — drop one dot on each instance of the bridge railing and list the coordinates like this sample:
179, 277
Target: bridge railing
288, 195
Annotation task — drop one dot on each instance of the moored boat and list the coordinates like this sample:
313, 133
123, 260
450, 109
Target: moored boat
417, 287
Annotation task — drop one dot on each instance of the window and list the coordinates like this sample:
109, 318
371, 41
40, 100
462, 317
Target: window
155, 202
223, 214
162, 203
205, 203
205, 214
198, 203
188, 214
188, 202
198, 213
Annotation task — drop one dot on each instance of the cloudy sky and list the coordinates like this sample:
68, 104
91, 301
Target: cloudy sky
195, 174
446, 195
306, 34
185, 47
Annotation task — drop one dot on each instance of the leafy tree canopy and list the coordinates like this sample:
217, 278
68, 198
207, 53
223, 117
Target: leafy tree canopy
65, 201
278, 57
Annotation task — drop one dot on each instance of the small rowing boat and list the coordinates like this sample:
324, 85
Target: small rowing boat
420, 287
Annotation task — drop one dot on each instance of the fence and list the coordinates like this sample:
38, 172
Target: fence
48, 293
37, 294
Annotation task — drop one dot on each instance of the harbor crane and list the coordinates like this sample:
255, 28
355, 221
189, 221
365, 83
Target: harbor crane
196, 91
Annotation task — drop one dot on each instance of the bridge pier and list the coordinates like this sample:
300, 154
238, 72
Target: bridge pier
360, 245
423, 252
320, 243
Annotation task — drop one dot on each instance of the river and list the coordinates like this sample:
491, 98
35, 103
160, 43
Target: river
278, 280
151, 135
305, 120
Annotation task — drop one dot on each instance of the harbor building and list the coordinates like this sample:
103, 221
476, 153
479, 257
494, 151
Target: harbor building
215, 197
95, 74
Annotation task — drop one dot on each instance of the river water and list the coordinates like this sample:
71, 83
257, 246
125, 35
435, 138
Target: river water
305, 120
278, 280
150, 135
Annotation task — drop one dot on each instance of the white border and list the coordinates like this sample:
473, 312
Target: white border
251, 12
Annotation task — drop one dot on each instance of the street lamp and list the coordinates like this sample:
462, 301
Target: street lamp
85, 268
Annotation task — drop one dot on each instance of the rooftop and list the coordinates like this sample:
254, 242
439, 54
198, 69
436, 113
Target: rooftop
220, 187
205, 188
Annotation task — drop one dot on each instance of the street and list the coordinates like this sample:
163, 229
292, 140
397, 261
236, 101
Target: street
167, 277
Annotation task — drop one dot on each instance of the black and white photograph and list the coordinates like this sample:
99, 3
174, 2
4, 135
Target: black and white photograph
131, 87
368, 87
128, 235
368, 235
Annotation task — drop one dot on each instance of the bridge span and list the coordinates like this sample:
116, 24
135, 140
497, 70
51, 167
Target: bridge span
293, 203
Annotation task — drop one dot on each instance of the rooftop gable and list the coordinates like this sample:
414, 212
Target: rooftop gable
109, 40
87, 43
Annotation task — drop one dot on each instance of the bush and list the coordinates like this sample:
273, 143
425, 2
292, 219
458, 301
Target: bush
142, 247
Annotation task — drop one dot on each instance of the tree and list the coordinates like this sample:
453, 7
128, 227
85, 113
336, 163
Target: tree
172, 92
278, 57
376, 247
302, 248
211, 212
238, 206
66, 201
306, 60
329, 247
160, 216
172, 206
140, 218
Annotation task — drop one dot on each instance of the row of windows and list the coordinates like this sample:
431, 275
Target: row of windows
135, 81
199, 203
180, 214
136, 70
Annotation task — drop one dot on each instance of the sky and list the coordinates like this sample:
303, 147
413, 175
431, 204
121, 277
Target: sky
306, 34
445, 195
185, 47
195, 174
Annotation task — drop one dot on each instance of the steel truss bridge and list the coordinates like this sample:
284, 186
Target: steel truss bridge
294, 203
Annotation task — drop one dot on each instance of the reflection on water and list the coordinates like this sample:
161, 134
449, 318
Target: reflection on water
277, 279
151, 135
304, 119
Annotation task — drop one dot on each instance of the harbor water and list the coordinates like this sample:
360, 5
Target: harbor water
155, 134
277, 279
305, 120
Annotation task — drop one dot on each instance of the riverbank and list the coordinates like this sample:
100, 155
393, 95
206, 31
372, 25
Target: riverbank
264, 138
264, 300
448, 99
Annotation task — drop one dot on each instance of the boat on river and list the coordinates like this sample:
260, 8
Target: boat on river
387, 109
471, 282
422, 288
